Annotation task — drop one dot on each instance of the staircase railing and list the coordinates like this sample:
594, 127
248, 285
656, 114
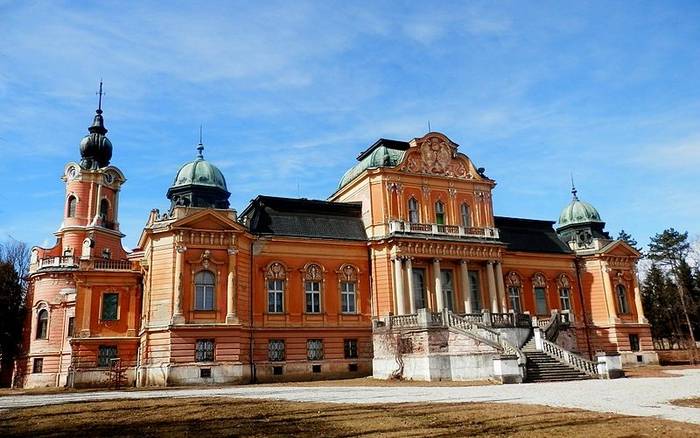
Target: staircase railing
585, 366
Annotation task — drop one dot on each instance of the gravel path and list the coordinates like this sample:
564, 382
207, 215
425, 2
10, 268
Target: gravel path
641, 396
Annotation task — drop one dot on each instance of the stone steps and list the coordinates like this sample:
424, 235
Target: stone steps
543, 368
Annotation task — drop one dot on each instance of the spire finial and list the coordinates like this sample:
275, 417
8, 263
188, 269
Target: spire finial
429, 130
573, 187
99, 101
200, 146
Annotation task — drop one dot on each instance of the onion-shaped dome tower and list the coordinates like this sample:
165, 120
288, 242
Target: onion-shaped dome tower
95, 148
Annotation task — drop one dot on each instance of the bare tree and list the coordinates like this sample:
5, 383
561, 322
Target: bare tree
14, 266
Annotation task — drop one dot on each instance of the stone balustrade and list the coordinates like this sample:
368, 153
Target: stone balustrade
404, 227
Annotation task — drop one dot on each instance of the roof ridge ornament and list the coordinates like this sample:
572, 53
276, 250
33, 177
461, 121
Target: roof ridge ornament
573, 188
200, 146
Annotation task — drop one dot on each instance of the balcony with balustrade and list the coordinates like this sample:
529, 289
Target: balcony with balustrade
76, 263
442, 230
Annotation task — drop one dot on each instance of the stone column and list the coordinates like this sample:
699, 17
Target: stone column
638, 301
491, 277
178, 316
231, 314
411, 291
609, 292
398, 286
97, 205
466, 287
87, 310
501, 287
439, 298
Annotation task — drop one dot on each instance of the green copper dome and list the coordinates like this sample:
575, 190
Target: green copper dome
200, 172
578, 212
382, 156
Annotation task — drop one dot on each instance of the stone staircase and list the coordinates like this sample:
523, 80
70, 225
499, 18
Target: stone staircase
543, 368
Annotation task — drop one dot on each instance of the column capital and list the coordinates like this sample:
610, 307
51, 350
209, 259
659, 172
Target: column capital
464, 262
180, 248
232, 251
397, 258
436, 260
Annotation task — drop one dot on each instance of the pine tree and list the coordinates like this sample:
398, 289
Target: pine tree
628, 239
670, 249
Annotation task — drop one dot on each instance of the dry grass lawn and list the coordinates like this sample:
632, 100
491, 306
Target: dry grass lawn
226, 416
656, 370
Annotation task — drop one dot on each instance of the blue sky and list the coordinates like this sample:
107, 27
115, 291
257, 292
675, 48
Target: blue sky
290, 92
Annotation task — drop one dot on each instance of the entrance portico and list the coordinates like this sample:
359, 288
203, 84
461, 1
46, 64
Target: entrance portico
464, 278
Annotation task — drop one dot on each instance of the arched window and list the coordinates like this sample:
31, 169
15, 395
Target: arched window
42, 324
622, 304
72, 205
413, 211
204, 290
313, 276
466, 219
539, 289
514, 287
439, 213
564, 292
104, 209
348, 289
276, 276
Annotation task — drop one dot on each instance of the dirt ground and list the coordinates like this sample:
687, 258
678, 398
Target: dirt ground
226, 417
656, 370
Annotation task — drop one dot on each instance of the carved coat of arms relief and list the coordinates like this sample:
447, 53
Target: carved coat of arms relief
436, 157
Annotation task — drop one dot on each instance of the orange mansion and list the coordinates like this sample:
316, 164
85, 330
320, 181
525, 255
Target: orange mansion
295, 288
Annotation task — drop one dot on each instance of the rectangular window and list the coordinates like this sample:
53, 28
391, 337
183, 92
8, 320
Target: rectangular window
475, 292
514, 295
314, 349
275, 350
313, 296
316, 368
205, 373
634, 342
204, 297
541, 301
352, 367
447, 288
204, 350
277, 371
275, 296
564, 298
110, 307
71, 327
38, 365
419, 288
348, 297
105, 354
622, 304
350, 348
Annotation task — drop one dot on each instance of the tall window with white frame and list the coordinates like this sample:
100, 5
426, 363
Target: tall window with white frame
564, 293
348, 289
539, 289
204, 284
42, 324
466, 218
72, 206
276, 277
313, 277
514, 285
622, 304
413, 211
439, 213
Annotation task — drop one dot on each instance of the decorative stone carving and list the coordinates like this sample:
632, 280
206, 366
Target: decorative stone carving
563, 282
513, 279
313, 272
435, 156
538, 280
276, 271
348, 273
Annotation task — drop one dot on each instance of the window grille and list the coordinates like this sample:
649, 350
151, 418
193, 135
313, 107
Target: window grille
276, 350
105, 354
204, 351
314, 349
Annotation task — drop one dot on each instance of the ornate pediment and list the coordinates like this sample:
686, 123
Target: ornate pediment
435, 154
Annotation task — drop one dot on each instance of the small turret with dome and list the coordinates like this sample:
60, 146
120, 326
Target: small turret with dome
95, 148
199, 183
580, 223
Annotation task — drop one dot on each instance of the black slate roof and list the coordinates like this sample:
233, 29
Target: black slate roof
391, 144
300, 217
530, 235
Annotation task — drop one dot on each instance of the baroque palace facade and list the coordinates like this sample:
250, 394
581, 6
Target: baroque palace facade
298, 288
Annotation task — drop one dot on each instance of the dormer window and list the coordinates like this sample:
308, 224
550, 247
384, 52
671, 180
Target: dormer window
106, 254
466, 219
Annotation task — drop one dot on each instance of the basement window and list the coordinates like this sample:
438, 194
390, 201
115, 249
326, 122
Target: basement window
205, 373
277, 371
316, 368
352, 367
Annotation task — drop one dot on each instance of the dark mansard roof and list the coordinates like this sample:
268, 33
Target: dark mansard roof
530, 235
305, 218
